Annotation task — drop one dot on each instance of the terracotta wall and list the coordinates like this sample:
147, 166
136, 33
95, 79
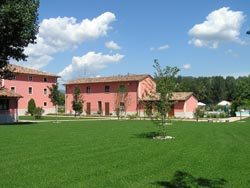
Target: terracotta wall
38, 85
97, 93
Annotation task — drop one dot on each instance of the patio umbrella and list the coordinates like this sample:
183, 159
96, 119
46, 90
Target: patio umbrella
201, 104
224, 103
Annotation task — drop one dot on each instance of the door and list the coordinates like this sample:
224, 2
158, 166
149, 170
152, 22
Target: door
106, 108
88, 112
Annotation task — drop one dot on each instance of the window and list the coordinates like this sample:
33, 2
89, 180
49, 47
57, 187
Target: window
45, 104
13, 89
30, 78
45, 79
88, 89
4, 104
45, 91
30, 90
107, 89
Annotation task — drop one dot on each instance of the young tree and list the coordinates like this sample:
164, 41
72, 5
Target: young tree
165, 86
31, 106
122, 100
54, 96
18, 28
77, 103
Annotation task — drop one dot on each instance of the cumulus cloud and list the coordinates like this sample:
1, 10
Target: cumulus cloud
60, 34
187, 66
112, 45
88, 65
222, 25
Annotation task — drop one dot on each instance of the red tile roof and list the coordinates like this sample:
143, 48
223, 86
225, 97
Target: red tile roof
181, 96
23, 70
109, 79
8, 94
177, 96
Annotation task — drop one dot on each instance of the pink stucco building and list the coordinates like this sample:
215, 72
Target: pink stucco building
184, 106
100, 95
30, 83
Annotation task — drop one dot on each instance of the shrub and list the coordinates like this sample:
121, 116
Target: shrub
31, 106
38, 112
61, 109
132, 116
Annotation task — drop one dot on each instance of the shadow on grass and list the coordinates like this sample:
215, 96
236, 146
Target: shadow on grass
18, 123
148, 135
186, 180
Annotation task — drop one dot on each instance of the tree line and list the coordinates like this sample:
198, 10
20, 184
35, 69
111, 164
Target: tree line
212, 90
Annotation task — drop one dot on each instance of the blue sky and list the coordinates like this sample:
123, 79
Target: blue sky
85, 38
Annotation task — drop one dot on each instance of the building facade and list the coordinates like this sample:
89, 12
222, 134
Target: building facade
104, 95
184, 106
30, 83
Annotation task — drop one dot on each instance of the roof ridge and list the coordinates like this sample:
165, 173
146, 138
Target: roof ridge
26, 70
114, 78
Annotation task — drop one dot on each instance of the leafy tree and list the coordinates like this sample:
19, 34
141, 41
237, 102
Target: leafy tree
54, 96
61, 99
31, 106
122, 100
218, 85
77, 103
198, 113
165, 86
18, 28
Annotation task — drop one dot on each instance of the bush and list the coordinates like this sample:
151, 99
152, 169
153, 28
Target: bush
38, 112
31, 106
132, 116
61, 109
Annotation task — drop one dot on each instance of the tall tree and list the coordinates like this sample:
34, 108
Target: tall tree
78, 101
18, 28
122, 100
165, 86
54, 95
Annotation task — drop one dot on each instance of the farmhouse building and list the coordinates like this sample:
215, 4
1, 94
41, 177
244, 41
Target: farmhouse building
105, 95
30, 83
102, 96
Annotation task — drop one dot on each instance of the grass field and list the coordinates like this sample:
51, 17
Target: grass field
121, 154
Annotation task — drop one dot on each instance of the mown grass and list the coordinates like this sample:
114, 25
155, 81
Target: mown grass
121, 154
58, 117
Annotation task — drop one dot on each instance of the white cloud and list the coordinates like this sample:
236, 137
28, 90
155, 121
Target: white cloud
164, 47
88, 65
222, 25
112, 45
160, 48
60, 34
187, 66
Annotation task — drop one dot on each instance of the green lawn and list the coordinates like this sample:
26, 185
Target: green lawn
121, 154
